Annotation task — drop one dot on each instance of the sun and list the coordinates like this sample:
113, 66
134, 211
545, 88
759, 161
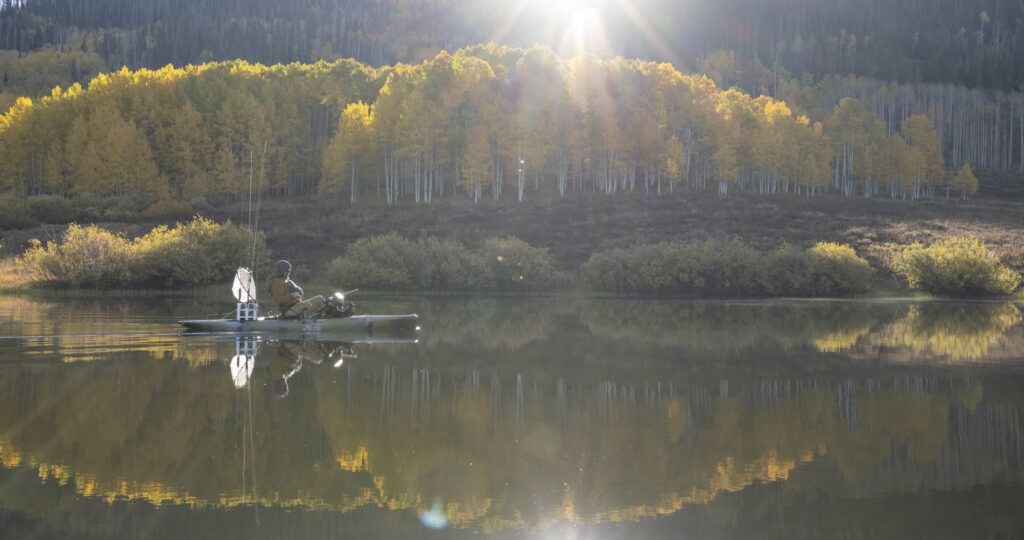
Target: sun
575, 27
578, 25
572, 6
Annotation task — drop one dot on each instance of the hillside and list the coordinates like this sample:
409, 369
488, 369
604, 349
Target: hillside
312, 232
969, 42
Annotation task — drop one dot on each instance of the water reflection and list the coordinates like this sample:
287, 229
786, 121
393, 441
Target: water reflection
954, 330
288, 357
599, 412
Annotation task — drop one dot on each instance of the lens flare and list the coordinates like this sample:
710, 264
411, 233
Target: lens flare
434, 518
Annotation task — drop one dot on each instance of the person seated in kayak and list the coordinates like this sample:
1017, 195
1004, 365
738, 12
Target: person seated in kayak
288, 295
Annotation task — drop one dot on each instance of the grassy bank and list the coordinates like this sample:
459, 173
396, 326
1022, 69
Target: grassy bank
312, 233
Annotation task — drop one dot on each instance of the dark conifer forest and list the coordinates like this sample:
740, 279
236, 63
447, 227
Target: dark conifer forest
976, 43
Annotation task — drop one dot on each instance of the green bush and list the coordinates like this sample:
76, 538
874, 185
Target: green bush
732, 269
514, 265
195, 253
391, 262
168, 209
837, 270
53, 209
118, 209
955, 267
388, 262
667, 268
788, 272
93, 208
15, 213
449, 266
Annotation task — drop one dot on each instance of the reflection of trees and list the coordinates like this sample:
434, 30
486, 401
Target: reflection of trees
954, 330
499, 447
491, 323
96, 328
733, 325
948, 329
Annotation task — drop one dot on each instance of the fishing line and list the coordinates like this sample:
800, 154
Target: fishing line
256, 222
248, 216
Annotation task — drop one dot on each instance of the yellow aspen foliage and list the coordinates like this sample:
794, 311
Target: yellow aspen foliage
110, 156
674, 162
474, 163
189, 145
226, 176
921, 135
348, 151
965, 182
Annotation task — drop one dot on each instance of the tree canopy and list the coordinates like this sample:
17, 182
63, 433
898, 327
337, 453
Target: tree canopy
487, 121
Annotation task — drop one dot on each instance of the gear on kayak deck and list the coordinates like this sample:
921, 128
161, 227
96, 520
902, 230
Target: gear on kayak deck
336, 306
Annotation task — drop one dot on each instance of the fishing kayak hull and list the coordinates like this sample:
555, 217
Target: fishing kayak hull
347, 325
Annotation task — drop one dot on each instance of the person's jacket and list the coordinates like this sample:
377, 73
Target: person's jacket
281, 289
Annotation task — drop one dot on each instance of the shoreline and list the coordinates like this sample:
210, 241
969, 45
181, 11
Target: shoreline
312, 234
206, 291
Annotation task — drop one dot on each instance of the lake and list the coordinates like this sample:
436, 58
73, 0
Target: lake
517, 417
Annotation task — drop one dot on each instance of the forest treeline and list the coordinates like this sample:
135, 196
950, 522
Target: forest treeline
972, 42
490, 121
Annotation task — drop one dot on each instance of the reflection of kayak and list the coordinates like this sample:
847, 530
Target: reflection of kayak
314, 326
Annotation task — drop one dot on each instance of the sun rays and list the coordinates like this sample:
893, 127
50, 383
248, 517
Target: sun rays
575, 27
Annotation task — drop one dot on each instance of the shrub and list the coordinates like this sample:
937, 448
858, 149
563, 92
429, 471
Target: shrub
727, 270
93, 208
722, 270
117, 209
195, 253
168, 209
837, 269
84, 257
732, 270
449, 266
514, 265
198, 252
391, 262
15, 213
955, 267
788, 272
53, 209
379, 262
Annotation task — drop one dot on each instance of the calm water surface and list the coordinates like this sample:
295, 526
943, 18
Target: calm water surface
549, 418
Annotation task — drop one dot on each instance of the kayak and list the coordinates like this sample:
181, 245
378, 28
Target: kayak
334, 320
355, 324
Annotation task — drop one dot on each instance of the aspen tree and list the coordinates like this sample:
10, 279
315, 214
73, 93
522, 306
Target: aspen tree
921, 136
474, 166
15, 145
347, 152
226, 177
965, 182
190, 143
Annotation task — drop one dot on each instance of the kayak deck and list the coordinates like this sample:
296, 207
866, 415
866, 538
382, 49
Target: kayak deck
269, 325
